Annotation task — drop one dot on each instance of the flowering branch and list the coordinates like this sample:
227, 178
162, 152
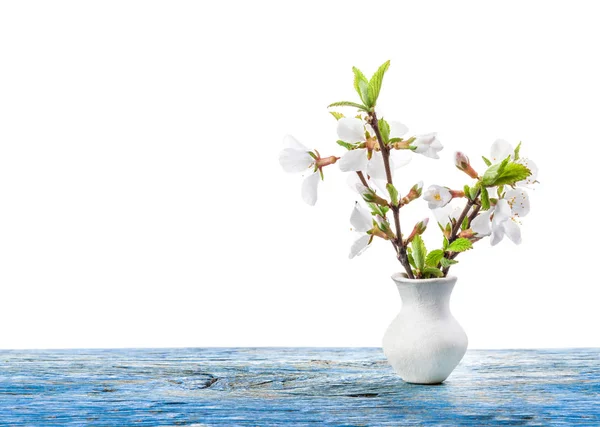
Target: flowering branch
385, 152
494, 203
458, 224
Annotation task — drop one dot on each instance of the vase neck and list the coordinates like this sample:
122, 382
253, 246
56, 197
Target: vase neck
430, 296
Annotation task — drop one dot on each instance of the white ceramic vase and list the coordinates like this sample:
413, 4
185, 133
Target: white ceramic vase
424, 343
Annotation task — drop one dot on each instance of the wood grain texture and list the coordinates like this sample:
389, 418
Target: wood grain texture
293, 387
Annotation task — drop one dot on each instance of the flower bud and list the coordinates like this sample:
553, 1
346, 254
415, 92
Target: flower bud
322, 162
384, 226
370, 196
419, 228
462, 162
414, 193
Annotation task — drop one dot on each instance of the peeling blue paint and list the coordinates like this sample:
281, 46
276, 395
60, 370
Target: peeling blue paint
293, 387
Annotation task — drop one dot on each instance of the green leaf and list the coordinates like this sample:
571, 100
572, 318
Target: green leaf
445, 262
460, 245
465, 223
346, 145
500, 191
393, 193
361, 85
432, 271
505, 173
348, 104
512, 173
485, 199
411, 259
517, 150
467, 191
445, 245
434, 257
336, 115
375, 82
384, 130
419, 252
487, 162
394, 140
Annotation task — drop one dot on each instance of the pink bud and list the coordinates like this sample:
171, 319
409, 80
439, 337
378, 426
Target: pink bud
462, 162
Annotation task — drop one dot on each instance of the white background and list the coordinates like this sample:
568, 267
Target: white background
142, 203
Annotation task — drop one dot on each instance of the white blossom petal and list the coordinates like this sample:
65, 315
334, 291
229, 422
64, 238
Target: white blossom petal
531, 179
354, 160
428, 145
361, 219
442, 215
512, 230
518, 200
502, 211
376, 167
351, 129
380, 184
400, 158
359, 246
482, 224
497, 235
422, 142
294, 161
437, 196
397, 129
290, 142
309, 188
500, 151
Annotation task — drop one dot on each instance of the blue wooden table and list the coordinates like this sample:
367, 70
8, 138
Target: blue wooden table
293, 387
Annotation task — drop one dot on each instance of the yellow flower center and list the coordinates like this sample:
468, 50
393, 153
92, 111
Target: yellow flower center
437, 196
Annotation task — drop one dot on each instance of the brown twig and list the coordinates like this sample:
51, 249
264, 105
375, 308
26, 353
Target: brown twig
385, 152
458, 224
362, 179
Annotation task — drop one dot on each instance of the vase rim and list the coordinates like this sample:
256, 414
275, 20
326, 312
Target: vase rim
403, 277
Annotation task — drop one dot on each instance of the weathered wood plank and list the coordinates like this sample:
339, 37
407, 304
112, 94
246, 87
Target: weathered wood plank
293, 387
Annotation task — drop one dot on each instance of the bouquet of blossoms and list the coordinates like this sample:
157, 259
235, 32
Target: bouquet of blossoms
493, 202
424, 343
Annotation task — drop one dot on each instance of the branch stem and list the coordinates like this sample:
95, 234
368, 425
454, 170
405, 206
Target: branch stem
459, 221
385, 152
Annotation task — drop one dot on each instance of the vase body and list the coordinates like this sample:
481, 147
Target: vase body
424, 343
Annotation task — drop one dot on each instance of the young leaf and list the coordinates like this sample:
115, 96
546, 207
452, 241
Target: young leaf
445, 262
502, 165
384, 129
346, 145
505, 173
393, 193
467, 191
361, 85
485, 199
348, 104
517, 150
375, 82
465, 223
411, 260
419, 252
336, 115
432, 271
445, 245
487, 162
500, 191
460, 245
434, 257
513, 172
